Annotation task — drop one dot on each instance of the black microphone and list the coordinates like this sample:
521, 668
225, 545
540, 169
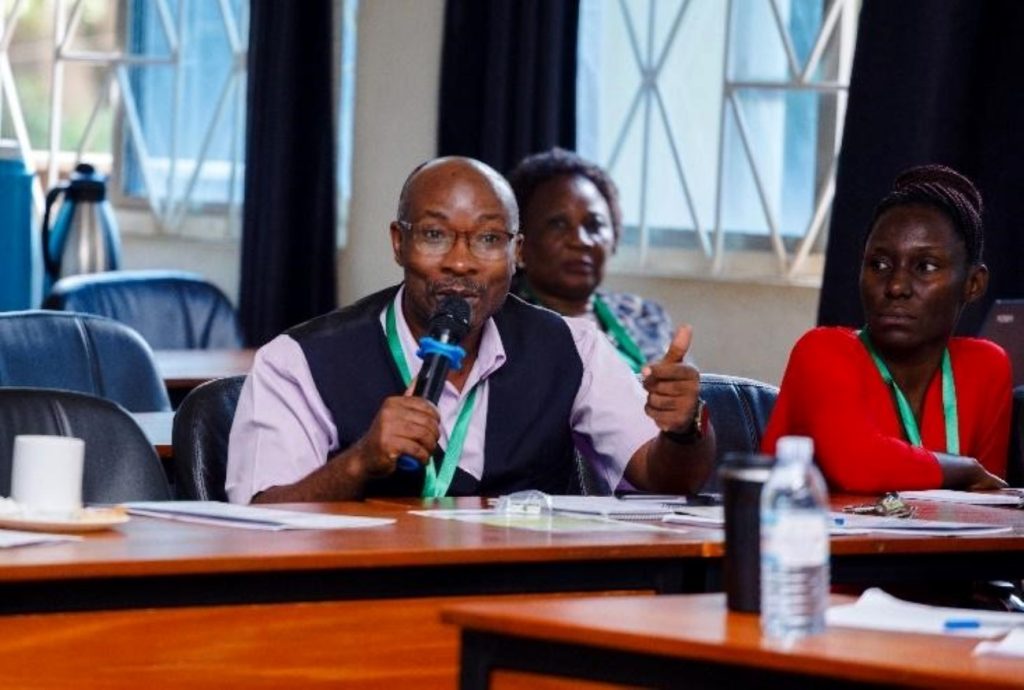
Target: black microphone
440, 352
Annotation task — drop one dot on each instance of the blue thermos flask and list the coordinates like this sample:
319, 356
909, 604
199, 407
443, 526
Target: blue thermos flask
20, 278
84, 237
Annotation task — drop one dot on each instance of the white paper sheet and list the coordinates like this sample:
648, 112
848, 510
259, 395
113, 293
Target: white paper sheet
1011, 645
541, 522
249, 517
876, 610
13, 538
977, 498
610, 506
853, 523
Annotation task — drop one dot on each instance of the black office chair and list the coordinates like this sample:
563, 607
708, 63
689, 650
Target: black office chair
739, 409
202, 425
172, 310
83, 353
120, 463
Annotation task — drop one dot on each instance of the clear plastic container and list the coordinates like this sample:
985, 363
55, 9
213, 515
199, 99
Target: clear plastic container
794, 543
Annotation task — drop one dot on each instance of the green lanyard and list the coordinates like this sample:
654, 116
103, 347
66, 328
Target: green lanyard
435, 485
624, 344
949, 412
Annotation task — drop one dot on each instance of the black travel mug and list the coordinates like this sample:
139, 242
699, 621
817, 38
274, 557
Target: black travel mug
743, 475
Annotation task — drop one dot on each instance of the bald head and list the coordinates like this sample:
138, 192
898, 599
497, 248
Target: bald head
453, 170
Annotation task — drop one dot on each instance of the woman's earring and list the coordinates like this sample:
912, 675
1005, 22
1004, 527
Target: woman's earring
520, 264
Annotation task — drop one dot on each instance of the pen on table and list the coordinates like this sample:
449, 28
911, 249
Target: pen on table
961, 624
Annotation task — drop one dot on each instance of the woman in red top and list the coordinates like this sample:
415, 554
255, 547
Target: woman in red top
902, 404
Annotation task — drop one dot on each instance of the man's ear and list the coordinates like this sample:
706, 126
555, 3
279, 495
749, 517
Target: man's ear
396, 243
976, 284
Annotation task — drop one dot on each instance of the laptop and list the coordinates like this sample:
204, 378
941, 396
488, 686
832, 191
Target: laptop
1004, 325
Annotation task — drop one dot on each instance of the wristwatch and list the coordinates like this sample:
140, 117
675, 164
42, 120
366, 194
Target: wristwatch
698, 426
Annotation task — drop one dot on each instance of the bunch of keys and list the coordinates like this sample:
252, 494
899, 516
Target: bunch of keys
889, 505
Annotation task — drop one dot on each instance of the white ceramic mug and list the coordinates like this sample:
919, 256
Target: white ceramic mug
46, 472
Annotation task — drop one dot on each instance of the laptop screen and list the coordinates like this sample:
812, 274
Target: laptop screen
1004, 325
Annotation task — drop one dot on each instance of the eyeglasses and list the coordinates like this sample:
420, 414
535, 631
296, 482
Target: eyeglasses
435, 240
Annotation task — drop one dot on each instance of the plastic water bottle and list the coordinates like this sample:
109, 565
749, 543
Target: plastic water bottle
794, 543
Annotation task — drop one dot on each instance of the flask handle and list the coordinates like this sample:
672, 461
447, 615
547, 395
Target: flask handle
52, 264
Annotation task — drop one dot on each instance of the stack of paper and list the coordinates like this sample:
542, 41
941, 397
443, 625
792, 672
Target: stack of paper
249, 517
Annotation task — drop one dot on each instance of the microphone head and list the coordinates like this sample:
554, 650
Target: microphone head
451, 318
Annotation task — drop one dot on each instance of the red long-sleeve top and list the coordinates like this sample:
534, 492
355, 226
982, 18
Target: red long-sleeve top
832, 392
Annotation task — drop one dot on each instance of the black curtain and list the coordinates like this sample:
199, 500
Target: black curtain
508, 79
288, 235
934, 81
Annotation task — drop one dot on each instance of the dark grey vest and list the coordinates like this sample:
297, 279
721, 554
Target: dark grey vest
528, 443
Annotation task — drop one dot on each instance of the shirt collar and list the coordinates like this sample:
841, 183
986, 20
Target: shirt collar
489, 358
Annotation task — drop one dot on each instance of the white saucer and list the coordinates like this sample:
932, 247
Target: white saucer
84, 520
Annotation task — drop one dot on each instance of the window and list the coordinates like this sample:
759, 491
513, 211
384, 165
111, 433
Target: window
721, 122
153, 91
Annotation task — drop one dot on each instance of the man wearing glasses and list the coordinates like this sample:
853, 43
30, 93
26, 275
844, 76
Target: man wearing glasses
327, 410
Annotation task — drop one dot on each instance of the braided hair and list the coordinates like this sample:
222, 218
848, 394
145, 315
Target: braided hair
946, 191
538, 168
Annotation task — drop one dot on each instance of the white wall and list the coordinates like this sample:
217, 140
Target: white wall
398, 73
740, 329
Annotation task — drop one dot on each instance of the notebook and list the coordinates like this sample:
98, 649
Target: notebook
1004, 325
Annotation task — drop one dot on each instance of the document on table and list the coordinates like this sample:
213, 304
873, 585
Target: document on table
698, 516
1011, 645
539, 522
1008, 497
11, 538
855, 524
876, 610
847, 523
249, 517
634, 508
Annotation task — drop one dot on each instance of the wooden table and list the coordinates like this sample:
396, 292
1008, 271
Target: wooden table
183, 370
151, 562
691, 641
391, 643
357, 607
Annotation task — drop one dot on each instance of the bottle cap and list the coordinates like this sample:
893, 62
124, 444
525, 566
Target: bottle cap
789, 448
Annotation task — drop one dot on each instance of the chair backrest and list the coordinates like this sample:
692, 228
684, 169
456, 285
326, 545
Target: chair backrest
202, 425
80, 352
172, 310
739, 408
1015, 461
120, 462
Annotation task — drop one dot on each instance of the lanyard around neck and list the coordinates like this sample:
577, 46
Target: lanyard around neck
949, 411
624, 343
435, 484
